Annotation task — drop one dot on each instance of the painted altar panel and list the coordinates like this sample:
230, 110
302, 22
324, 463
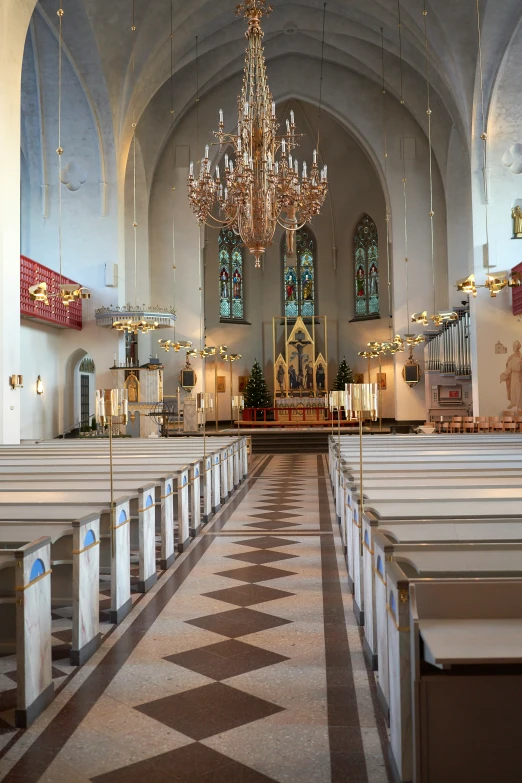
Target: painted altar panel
300, 369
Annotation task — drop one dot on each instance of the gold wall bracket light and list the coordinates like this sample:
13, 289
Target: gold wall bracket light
39, 386
16, 381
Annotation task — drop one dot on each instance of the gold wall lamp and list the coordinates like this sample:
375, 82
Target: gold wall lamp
16, 381
39, 386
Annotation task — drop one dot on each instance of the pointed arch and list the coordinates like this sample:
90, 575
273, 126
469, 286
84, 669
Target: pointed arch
299, 277
366, 269
231, 288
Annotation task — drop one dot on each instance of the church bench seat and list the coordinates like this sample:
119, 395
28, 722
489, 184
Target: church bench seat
35, 516
466, 671
25, 622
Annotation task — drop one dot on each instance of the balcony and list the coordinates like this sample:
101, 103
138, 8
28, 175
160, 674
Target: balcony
55, 313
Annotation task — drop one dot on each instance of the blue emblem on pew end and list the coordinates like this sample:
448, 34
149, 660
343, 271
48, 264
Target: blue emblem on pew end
89, 539
184, 481
196, 473
37, 569
393, 604
380, 567
366, 539
149, 502
122, 518
169, 488
355, 514
216, 460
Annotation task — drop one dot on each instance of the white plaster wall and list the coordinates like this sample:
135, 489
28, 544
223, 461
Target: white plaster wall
40, 347
492, 318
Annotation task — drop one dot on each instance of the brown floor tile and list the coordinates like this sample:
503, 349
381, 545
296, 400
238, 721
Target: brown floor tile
272, 527
266, 542
262, 556
238, 622
211, 709
247, 595
257, 573
275, 516
226, 659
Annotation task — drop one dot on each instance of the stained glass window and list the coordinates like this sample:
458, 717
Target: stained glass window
299, 275
231, 300
366, 269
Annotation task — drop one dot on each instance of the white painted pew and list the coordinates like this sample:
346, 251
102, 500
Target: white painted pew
25, 623
57, 520
433, 560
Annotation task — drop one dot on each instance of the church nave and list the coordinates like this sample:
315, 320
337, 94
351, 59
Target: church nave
243, 663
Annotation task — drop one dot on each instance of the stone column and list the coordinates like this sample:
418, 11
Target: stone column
14, 20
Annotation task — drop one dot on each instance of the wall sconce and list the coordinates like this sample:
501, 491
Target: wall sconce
16, 381
39, 386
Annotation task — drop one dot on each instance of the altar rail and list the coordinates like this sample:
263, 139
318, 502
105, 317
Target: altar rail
55, 313
317, 416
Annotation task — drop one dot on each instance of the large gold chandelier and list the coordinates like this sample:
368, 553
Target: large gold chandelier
257, 191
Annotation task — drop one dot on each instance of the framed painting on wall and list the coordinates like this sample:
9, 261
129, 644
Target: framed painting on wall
358, 377
242, 382
221, 384
381, 380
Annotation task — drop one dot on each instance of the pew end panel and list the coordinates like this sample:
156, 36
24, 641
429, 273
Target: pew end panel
466, 649
35, 688
115, 546
195, 497
165, 494
86, 586
183, 478
147, 536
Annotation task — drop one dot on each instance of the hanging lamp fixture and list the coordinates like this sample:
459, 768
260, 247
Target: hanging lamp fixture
260, 187
68, 292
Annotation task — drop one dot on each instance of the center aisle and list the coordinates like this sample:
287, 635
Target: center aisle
244, 664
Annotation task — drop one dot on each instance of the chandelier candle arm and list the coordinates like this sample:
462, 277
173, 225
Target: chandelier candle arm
257, 192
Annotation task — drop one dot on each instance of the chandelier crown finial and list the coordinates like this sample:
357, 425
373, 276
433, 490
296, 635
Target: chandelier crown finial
253, 9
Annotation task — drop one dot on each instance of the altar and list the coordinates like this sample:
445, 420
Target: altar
300, 361
299, 402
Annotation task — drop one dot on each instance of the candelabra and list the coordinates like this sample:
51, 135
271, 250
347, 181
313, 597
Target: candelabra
112, 406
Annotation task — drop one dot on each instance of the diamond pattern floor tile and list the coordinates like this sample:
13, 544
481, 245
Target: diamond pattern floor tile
261, 556
256, 573
266, 542
225, 659
189, 764
273, 526
211, 709
247, 595
238, 622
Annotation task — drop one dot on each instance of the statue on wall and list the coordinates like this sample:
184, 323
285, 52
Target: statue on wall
516, 214
513, 377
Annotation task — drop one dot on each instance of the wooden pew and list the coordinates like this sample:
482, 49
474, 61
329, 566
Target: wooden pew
466, 672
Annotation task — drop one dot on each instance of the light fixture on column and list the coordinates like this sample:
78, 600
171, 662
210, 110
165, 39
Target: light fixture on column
257, 191
16, 381
134, 318
39, 386
67, 292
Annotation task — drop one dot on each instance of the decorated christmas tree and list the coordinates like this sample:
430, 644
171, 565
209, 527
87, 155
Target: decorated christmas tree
344, 376
256, 390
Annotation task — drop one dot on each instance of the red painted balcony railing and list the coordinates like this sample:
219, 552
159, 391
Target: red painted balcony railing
517, 292
55, 313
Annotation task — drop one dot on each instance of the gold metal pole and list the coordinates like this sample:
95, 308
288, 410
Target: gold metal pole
215, 390
361, 488
274, 359
179, 412
112, 514
231, 408
369, 381
380, 392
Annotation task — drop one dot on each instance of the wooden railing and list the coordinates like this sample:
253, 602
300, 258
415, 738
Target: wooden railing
55, 313
281, 417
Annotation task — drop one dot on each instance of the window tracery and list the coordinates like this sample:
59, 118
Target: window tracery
299, 284
231, 293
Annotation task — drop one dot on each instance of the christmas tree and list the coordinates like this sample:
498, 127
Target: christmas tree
344, 376
256, 390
